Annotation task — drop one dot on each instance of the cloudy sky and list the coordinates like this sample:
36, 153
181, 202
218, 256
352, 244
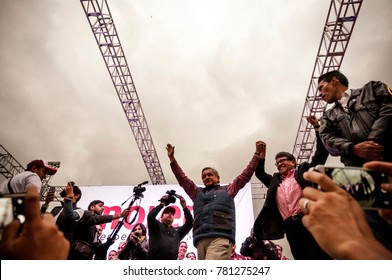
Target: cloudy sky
213, 77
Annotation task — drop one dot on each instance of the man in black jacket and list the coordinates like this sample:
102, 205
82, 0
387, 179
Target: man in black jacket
86, 235
358, 128
68, 214
248, 246
281, 212
164, 239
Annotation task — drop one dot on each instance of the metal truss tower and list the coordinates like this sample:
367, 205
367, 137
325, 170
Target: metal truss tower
104, 30
338, 28
9, 166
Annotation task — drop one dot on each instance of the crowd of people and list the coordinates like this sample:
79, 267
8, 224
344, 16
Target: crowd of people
320, 223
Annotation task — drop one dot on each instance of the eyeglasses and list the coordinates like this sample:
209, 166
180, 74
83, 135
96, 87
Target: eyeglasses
281, 161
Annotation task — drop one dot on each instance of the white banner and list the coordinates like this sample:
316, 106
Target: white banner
114, 196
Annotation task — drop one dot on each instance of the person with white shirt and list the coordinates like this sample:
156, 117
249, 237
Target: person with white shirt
35, 172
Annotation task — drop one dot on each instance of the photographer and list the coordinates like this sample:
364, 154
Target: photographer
40, 238
164, 238
68, 213
86, 236
338, 223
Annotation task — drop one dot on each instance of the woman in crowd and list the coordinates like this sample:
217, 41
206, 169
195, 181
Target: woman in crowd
137, 244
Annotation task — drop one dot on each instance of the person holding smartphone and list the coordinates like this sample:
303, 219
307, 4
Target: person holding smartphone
41, 238
337, 221
50, 195
358, 128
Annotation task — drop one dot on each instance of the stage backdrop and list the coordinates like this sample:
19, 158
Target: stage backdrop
117, 198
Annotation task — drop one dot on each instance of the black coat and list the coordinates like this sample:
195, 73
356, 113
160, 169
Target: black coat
269, 222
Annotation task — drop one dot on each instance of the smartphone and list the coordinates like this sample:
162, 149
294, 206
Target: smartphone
11, 207
363, 184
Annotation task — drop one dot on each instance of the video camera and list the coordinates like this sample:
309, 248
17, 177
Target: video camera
171, 197
139, 188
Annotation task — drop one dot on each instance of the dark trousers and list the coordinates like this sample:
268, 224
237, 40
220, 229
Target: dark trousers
302, 244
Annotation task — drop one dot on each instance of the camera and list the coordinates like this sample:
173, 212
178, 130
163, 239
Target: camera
363, 184
171, 197
11, 207
63, 193
135, 236
138, 190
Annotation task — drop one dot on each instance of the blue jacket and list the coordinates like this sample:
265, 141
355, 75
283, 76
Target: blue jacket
214, 211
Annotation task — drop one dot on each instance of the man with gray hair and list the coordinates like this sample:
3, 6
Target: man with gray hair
214, 209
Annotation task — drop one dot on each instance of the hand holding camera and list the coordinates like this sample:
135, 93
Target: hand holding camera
68, 191
41, 238
363, 184
165, 200
170, 197
134, 237
182, 202
11, 207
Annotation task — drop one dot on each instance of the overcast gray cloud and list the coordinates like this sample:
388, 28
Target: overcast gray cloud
213, 77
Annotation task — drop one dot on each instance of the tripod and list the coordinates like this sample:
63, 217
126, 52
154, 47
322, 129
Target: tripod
112, 236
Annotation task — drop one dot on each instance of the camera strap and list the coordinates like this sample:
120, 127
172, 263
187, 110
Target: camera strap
9, 186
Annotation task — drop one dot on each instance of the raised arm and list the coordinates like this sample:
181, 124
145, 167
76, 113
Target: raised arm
260, 169
69, 212
184, 229
247, 174
170, 152
321, 154
187, 184
152, 222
